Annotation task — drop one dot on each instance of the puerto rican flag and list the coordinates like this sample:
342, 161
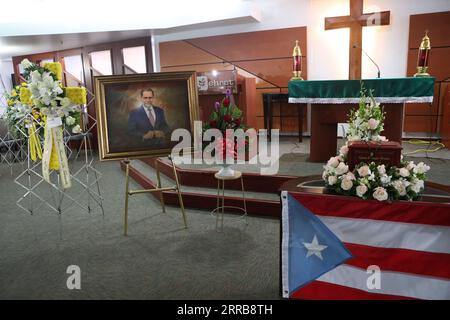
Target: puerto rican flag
408, 241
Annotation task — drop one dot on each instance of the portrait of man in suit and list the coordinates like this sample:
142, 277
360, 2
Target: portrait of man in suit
138, 113
147, 124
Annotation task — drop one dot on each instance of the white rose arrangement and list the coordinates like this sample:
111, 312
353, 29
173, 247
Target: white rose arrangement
370, 180
367, 122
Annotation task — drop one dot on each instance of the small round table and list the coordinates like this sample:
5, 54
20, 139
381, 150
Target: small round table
221, 188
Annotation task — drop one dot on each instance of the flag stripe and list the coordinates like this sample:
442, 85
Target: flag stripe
390, 234
329, 291
399, 260
285, 245
408, 241
394, 283
417, 212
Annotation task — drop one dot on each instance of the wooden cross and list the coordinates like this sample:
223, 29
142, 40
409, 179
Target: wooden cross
355, 21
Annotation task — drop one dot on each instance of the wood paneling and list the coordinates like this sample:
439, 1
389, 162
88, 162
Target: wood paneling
422, 117
439, 62
427, 124
176, 53
438, 26
199, 67
276, 72
254, 45
446, 115
288, 110
424, 109
265, 56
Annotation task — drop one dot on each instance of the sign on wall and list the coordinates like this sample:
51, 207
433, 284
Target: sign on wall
214, 82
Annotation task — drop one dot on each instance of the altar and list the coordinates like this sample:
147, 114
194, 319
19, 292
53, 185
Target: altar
332, 100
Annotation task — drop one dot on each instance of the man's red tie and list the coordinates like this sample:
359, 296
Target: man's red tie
151, 117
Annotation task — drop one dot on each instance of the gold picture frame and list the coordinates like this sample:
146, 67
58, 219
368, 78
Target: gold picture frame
123, 117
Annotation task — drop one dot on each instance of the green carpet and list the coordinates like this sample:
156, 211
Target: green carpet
158, 260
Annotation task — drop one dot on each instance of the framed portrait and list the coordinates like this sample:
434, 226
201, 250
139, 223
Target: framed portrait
137, 113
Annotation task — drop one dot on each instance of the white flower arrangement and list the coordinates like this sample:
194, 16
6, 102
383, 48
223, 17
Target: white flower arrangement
367, 122
372, 181
46, 91
15, 112
369, 180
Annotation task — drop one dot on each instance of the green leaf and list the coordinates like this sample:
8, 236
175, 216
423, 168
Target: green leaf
236, 113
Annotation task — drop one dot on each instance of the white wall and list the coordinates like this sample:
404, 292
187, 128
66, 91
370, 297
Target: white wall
274, 14
6, 68
328, 50
388, 45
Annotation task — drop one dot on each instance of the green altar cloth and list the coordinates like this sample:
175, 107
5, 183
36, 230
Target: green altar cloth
395, 90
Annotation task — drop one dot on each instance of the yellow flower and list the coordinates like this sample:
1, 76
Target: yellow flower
24, 84
36, 113
13, 93
76, 94
10, 102
55, 68
25, 96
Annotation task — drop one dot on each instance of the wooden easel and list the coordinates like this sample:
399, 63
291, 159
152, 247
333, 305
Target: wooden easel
158, 188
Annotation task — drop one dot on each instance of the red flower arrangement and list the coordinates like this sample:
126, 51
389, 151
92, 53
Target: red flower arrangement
226, 115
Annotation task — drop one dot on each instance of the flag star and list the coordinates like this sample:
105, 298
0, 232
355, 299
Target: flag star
314, 248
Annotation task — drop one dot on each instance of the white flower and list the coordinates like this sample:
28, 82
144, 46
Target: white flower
59, 112
410, 165
417, 186
76, 129
65, 102
382, 138
404, 172
361, 190
333, 162
363, 126
349, 176
399, 186
364, 171
421, 168
344, 150
373, 104
385, 179
341, 168
70, 121
375, 138
380, 194
332, 180
354, 138
373, 123
405, 182
26, 63
35, 77
346, 184
381, 169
